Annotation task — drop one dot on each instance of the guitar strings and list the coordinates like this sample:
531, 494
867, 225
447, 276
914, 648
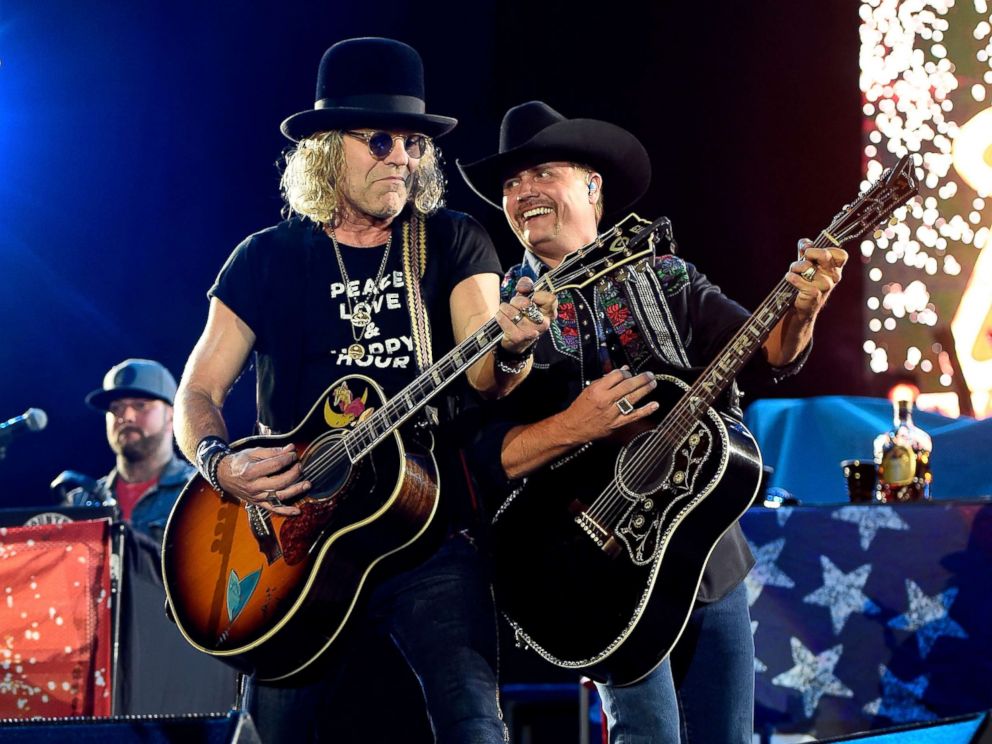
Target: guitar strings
368, 434
612, 503
324, 462
672, 438
367, 430
671, 432
659, 444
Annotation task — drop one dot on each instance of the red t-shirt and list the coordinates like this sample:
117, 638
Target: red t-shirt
128, 494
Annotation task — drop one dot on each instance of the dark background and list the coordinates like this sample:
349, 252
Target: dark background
138, 142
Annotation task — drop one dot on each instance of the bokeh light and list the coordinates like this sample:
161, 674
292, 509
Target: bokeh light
926, 69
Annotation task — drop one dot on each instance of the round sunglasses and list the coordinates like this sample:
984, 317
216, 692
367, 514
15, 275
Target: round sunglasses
381, 143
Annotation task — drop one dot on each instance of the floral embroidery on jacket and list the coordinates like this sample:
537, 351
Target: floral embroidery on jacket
672, 274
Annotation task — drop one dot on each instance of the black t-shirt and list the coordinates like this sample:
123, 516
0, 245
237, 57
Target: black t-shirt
285, 284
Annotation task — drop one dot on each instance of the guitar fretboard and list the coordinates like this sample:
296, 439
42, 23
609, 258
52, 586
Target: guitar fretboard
715, 378
857, 219
404, 404
380, 424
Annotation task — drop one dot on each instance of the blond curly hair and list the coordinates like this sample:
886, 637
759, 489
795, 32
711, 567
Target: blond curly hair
309, 183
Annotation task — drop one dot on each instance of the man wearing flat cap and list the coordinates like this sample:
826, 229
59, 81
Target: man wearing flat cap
137, 397
368, 275
594, 375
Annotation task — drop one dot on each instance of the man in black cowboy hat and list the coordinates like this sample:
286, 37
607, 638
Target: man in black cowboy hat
370, 276
137, 397
551, 176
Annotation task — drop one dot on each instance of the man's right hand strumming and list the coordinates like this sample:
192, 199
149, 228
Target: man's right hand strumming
268, 477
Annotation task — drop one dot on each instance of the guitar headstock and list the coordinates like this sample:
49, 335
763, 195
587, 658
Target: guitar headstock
630, 240
895, 187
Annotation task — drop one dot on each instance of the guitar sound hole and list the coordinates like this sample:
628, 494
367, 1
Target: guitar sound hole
642, 471
325, 489
328, 468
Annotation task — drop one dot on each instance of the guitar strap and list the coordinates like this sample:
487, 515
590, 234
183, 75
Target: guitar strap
645, 296
414, 265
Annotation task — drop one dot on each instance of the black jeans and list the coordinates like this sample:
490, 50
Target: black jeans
440, 615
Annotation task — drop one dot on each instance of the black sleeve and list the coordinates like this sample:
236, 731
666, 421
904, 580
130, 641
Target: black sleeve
237, 284
543, 393
713, 317
716, 318
485, 425
472, 251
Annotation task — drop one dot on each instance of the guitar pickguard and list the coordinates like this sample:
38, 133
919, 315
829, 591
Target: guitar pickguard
642, 527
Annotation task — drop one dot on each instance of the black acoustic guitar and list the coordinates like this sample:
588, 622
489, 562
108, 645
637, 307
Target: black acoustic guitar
599, 555
269, 594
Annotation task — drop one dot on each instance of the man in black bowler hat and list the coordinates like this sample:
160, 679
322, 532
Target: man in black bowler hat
367, 275
137, 397
593, 375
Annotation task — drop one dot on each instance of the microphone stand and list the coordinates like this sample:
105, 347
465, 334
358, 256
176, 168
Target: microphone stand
118, 534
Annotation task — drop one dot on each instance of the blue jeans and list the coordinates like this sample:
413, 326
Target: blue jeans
440, 616
702, 693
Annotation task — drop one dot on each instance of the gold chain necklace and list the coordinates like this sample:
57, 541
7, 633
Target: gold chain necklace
361, 313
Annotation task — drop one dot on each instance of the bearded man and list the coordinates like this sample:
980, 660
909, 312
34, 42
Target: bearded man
137, 397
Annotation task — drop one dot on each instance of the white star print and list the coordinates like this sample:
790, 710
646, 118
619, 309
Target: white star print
765, 572
870, 519
928, 617
759, 665
900, 701
813, 675
841, 593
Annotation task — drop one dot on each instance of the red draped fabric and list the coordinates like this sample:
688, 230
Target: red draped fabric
55, 620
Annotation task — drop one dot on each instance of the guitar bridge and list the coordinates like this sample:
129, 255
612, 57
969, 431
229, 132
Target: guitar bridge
261, 528
599, 534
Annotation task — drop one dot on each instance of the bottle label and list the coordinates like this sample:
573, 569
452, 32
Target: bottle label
898, 466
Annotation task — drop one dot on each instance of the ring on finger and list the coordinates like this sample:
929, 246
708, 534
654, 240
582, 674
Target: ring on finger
518, 317
533, 313
272, 499
625, 406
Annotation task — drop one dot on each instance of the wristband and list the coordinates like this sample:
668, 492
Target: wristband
510, 363
209, 452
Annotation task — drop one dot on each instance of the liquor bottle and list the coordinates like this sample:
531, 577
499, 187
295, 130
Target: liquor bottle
903, 459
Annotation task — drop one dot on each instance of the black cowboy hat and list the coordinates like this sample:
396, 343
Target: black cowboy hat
534, 133
368, 82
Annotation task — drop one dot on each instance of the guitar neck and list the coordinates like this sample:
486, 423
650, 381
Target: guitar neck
380, 424
366, 435
721, 372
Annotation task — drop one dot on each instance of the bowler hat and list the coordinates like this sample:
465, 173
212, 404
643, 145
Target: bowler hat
534, 133
134, 378
368, 82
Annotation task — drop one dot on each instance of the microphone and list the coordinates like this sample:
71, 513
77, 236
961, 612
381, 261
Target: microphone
96, 494
70, 479
33, 419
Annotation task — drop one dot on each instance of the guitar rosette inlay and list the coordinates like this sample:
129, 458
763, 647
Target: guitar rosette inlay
640, 529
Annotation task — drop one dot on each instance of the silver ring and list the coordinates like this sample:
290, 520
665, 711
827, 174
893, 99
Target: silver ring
625, 406
271, 499
517, 318
534, 315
